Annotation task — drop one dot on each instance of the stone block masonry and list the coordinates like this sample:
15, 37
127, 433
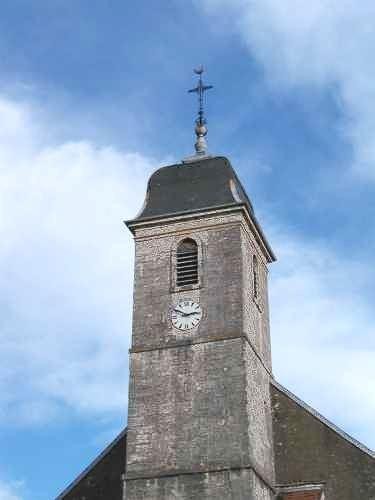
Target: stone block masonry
199, 420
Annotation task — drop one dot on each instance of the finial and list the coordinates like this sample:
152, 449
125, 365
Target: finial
200, 122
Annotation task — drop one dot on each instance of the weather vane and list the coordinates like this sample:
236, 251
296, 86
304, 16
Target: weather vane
200, 122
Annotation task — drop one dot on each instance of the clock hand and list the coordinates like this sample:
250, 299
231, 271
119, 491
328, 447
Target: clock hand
181, 312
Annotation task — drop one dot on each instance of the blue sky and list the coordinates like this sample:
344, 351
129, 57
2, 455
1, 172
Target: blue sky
92, 100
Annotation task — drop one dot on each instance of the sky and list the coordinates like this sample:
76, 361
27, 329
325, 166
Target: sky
93, 99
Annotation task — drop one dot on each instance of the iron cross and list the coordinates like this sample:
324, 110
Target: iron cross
200, 89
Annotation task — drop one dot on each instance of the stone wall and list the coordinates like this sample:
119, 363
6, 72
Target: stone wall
186, 412
259, 414
255, 309
191, 392
219, 289
224, 485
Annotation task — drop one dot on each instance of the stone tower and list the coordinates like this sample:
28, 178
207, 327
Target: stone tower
199, 421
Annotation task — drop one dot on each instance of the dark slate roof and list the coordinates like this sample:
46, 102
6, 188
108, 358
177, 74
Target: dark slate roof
323, 419
191, 187
188, 187
309, 448
103, 478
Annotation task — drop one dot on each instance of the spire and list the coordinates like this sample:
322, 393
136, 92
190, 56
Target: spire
200, 122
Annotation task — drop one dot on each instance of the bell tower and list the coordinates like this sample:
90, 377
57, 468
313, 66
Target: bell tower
199, 422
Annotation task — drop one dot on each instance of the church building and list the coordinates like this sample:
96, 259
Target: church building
206, 417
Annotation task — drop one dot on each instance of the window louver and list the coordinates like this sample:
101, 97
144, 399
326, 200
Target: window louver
187, 263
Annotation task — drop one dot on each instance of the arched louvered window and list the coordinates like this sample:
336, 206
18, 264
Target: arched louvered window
255, 277
187, 263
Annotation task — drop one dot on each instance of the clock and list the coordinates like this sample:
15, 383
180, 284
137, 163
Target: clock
186, 315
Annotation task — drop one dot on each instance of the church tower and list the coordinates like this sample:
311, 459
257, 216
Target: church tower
199, 422
199, 416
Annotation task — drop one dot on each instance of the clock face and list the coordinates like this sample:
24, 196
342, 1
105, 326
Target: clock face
186, 315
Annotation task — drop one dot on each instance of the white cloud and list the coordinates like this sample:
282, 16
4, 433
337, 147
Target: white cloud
323, 331
66, 264
324, 43
10, 491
